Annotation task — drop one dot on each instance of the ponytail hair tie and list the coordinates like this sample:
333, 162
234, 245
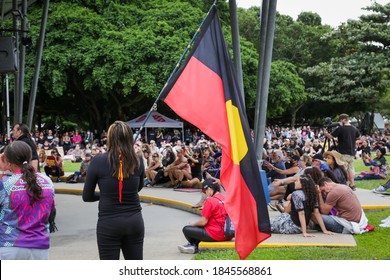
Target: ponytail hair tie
25, 162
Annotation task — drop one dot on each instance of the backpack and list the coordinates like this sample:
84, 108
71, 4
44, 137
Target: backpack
228, 229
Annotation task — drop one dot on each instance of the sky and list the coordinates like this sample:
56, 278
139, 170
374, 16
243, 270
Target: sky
332, 12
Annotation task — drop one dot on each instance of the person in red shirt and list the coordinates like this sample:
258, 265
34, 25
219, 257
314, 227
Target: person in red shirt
210, 227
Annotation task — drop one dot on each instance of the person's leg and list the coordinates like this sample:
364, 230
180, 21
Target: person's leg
277, 193
195, 234
350, 169
152, 175
331, 224
369, 177
19, 253
108, 239
171, 177
179, 175
133, 241
47, 170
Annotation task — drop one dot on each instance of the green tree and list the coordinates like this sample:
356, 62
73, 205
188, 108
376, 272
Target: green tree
358, 77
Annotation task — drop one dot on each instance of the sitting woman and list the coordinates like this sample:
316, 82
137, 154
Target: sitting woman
208, 160
304, 204
210, 227
195, 161
154, 166
277, 192
174, 170
336, 165
41, 159
378, 166
54, 165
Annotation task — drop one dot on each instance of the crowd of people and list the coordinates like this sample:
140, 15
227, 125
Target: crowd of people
309, 181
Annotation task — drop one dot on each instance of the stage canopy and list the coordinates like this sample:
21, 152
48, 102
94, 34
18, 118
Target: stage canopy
155, 120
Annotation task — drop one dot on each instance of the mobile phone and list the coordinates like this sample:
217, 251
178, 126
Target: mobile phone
265, 162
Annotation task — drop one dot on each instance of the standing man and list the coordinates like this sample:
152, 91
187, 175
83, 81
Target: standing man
20, 132
346, 135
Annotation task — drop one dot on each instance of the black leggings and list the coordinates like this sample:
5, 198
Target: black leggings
196, 234
121, 232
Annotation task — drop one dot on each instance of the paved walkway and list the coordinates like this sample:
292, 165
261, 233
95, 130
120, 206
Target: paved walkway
77, 240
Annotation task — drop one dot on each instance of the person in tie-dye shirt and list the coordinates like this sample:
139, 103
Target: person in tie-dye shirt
26, 199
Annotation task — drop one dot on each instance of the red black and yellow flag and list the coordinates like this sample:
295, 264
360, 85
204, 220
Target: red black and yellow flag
204, 91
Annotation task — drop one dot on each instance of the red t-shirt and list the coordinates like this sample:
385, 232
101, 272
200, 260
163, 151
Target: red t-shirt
214, 211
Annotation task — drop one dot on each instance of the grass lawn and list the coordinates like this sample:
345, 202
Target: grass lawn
71, 166
370, 246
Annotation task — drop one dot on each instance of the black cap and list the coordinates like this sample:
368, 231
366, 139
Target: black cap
295, 157
318, 157
210, 183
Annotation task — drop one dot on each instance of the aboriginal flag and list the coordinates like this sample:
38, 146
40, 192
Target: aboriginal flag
204, 92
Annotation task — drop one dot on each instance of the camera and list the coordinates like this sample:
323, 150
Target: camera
330, 125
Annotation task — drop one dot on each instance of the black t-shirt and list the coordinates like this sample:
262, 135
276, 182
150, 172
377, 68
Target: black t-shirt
298, 203
32, 145
196, 168
99, 174
347, 136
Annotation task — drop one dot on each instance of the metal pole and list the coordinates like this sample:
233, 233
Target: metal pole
259, 97
8, 114
33, 95
16, 74
265, 78
22, 60
236, 47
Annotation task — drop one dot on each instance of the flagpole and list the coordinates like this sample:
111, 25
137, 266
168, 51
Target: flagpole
236, 47
267, 39
178, 64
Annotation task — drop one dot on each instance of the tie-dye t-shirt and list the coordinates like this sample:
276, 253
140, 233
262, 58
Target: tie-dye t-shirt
23, 224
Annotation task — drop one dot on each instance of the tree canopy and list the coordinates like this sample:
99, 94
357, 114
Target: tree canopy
108, 60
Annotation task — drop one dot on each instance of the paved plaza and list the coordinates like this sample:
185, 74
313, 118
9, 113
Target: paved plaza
165, 213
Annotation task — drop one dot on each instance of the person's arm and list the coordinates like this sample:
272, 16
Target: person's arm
302, 221
327, 134
286, 181
292, 170
320, 222
142, 175
89, 194
191, 158
201, 222
323, 207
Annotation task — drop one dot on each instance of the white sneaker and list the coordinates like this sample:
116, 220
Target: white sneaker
187, 249
380, 190
385, 225
386, 220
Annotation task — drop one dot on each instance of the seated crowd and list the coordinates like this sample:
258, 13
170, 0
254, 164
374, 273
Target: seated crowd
307, 183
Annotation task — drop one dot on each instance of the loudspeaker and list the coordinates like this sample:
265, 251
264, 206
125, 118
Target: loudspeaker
8, 55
